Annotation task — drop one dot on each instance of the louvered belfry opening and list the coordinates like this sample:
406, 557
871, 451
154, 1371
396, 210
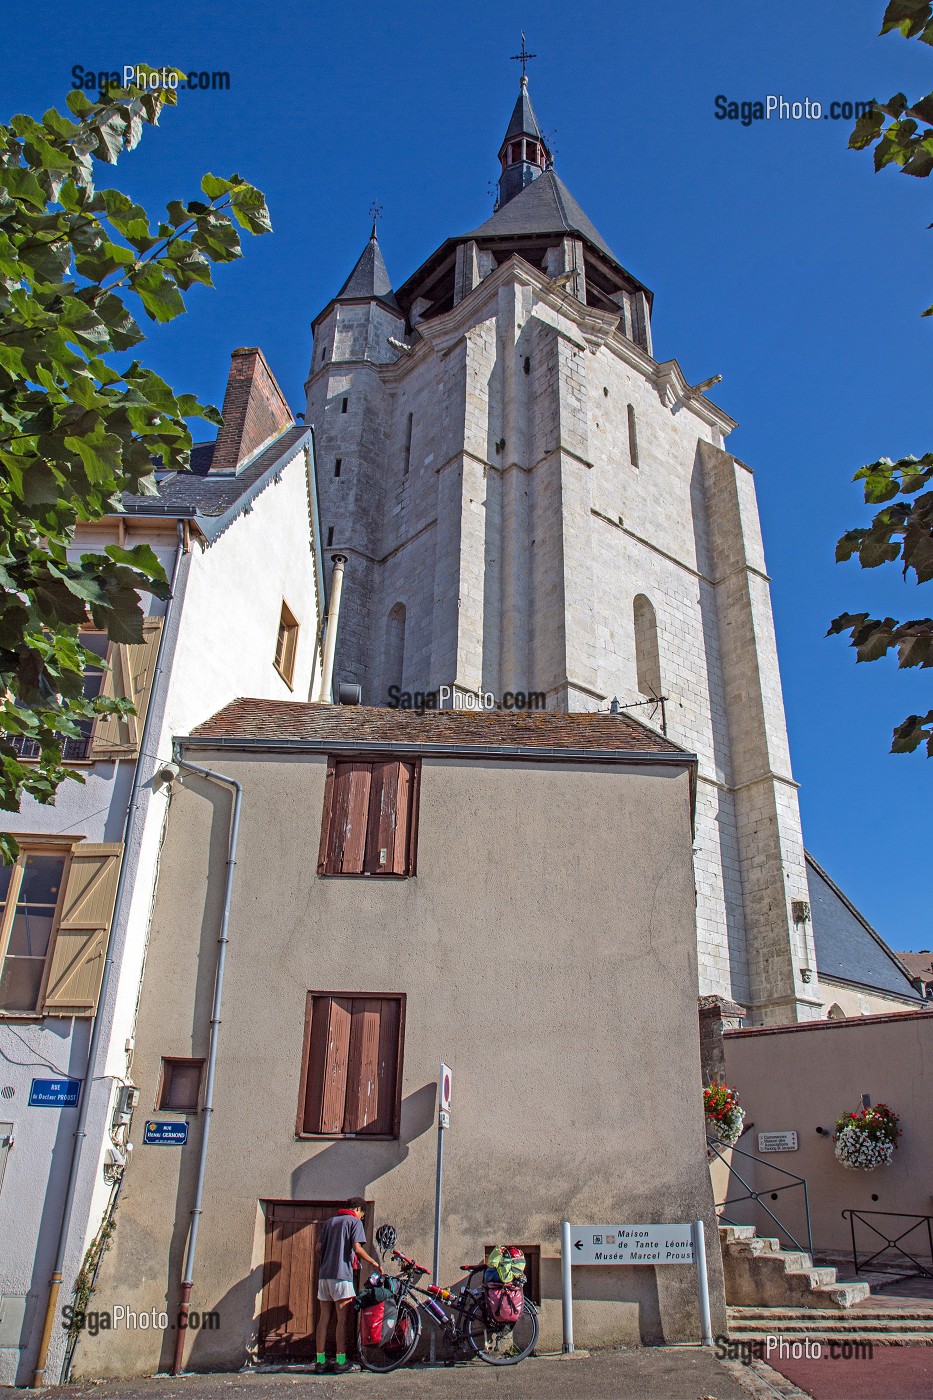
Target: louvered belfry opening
369, 818
352, 1071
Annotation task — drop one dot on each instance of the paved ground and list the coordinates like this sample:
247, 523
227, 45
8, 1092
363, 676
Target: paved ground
893, 1373
650, 1373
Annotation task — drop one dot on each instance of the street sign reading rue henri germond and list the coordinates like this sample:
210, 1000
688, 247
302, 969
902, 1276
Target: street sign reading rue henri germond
631, 1244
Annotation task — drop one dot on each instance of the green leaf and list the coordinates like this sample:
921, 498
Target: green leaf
214, 187
140, 557
157, 292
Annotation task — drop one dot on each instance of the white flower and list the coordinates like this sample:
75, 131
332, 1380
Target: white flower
857, 1150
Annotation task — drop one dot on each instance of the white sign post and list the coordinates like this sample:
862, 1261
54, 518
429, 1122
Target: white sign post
444, 1085
634, 1244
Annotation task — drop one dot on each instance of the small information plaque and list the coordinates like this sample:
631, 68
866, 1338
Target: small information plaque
785, 1141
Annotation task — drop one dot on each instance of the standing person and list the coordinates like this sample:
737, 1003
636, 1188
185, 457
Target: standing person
339, 1240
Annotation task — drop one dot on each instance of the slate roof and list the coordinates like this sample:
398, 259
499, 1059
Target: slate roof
544, 206
370, 278
214, 501
847, 947
349, 726
523, 121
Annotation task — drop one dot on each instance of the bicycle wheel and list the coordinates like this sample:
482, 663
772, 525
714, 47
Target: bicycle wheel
501, 1344
400, 1346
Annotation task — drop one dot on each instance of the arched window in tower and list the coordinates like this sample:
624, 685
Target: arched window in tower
647, 658
395, 648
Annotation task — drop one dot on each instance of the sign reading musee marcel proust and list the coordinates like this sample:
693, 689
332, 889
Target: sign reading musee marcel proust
631, 1244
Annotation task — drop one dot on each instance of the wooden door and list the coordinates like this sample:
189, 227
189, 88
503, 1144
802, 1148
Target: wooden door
289, 1285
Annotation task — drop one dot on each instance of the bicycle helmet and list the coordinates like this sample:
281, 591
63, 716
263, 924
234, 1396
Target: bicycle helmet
386, 1238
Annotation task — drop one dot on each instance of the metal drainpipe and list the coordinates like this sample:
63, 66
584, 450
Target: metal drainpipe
330, 636
187, 1278
38, 1379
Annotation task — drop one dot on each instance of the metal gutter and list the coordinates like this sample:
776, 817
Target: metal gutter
187, 1278
501, 751
38, 1379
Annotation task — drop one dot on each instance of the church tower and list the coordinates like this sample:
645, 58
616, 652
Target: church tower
530, 501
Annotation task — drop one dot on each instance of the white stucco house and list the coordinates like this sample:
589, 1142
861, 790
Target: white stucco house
237, 535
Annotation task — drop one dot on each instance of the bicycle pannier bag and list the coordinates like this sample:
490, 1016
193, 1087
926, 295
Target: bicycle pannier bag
401, 1339
378, 1323
504, 1302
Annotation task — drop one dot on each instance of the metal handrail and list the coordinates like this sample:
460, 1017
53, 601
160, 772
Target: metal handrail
853, 1215
756, 1196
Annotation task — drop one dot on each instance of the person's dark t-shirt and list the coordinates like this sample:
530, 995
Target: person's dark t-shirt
336, 1238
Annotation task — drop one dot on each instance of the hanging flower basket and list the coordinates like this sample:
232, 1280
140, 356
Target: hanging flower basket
867, 1139
724, 1116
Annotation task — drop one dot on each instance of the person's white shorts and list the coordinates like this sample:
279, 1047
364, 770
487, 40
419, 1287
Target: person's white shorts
335, 1290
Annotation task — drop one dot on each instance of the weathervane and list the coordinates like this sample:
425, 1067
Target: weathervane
375, 212
522, 58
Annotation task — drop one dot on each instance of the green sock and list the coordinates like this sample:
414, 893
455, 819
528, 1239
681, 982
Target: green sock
321, 1358
341, 1358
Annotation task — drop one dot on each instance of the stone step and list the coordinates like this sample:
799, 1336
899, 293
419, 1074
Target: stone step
856, 1325
920, 1311
758, 1272
826, 1335
845, 1295
729, 1233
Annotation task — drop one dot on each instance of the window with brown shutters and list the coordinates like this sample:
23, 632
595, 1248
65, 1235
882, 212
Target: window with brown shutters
370, 818
132, 670
56, 906
352, 1072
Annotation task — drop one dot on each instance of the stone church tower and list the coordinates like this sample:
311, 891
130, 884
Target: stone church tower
529, 500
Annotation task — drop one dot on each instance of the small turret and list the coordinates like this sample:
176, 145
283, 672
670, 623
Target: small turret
524, 154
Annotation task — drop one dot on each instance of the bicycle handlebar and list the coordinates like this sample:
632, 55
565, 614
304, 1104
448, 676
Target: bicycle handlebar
408, 1263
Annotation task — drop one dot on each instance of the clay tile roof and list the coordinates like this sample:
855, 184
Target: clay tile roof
283, 721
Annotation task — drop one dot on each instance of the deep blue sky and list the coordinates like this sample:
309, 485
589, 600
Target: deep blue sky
777, 259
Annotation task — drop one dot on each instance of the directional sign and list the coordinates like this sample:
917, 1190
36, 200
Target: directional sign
54, 1093
778, 1142
631, 1244
165, 1134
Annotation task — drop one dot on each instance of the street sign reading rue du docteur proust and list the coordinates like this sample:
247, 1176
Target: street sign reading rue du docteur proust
631, 1244
54, 1093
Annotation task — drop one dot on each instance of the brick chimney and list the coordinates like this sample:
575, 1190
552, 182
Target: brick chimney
254, 410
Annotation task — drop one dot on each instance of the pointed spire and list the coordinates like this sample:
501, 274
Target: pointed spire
524, 154
370, 278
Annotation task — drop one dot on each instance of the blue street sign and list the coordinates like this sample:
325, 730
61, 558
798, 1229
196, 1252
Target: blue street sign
54, 1093
165, 1134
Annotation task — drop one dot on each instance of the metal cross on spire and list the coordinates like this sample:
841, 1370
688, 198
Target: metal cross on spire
375, 211
522, 58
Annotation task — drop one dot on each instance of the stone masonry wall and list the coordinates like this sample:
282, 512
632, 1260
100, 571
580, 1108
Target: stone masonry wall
517, 542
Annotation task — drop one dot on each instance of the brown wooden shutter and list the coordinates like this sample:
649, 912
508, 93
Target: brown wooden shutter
388, 841
132, 668
345, 821
388, 1067
77, 959
363, 1065
328, 1055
